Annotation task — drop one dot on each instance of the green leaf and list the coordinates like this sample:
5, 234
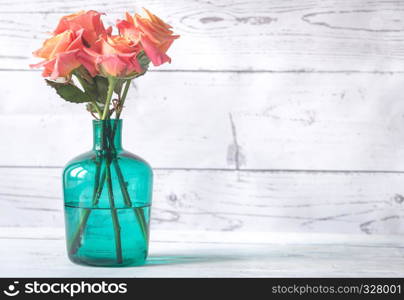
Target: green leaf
69, 92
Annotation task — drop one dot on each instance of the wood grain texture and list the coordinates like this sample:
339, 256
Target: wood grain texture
231, 201
255, 86
220, 120
30, 252
275, 35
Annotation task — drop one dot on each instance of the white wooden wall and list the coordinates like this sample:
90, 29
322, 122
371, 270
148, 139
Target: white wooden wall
275, 115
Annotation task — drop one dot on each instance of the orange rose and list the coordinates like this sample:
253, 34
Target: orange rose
152, 33
60, 53
111, 56
73, 33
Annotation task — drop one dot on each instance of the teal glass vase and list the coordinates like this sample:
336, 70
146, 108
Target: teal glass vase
107, 199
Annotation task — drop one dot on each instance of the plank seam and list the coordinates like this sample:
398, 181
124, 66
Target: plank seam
236, 170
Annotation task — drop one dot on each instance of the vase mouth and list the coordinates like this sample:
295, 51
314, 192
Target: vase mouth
95, 122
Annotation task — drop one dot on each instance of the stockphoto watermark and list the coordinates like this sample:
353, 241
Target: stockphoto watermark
35, 287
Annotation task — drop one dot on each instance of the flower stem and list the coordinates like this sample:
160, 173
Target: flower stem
115, 220
97, 108
75, 244
138, 211
111, 86
124, 94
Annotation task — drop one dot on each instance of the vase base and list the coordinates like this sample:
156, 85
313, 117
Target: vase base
108, 263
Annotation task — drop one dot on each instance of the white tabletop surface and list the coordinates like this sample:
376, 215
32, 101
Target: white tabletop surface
40, 252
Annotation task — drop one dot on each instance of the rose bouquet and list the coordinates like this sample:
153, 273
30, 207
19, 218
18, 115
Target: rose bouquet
85, 62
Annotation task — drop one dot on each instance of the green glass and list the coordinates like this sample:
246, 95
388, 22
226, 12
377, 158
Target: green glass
107, 198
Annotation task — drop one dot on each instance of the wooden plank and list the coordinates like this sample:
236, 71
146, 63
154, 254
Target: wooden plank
214, 254
367, 203
220, 120
276, 35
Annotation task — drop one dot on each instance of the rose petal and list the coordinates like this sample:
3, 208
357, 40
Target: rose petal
65, 63
156, 56
54, 45
88, 59
90, 21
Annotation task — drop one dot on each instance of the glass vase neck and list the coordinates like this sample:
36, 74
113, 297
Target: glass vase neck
107, 134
